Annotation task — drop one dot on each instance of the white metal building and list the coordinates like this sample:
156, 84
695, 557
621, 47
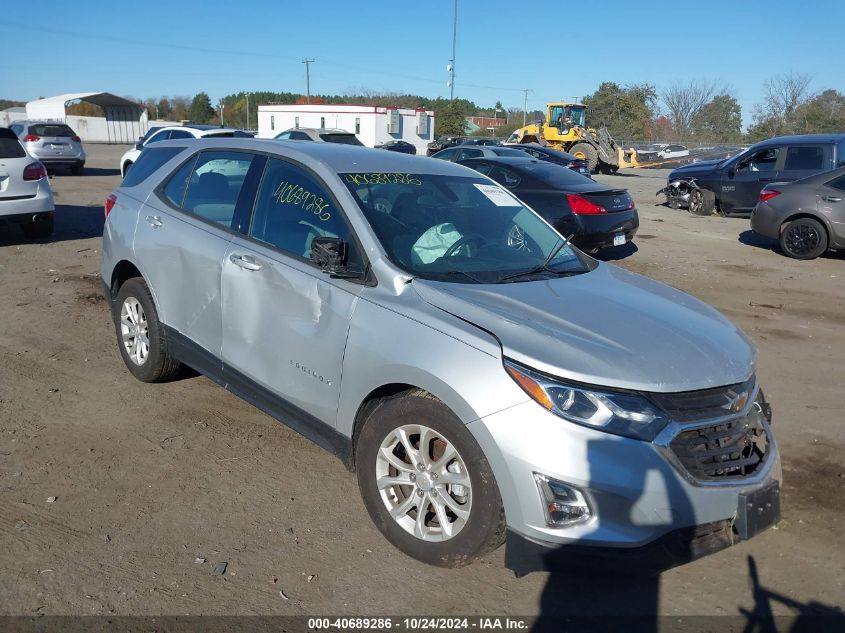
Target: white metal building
124, 120
373, 125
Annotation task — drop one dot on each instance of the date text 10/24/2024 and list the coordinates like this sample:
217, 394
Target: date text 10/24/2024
401, 624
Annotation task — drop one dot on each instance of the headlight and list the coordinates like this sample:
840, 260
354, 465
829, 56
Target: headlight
627, 414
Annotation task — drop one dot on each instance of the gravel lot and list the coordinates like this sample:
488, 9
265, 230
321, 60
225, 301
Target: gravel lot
112, 492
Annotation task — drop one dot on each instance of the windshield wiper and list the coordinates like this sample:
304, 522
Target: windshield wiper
465, 274
544, 267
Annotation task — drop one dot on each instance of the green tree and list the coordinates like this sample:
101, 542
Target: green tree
201, 110
450, 120
627, 111
719, 121
823, 113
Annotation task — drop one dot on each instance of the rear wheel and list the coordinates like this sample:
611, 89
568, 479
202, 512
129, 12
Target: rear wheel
804, 238
140, 335
426, 483
38, 230
586, 152
702, 202
126, 168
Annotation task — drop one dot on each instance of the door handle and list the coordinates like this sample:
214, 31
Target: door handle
247, 262
154, 221
831, 199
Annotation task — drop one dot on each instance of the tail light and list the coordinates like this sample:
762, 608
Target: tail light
29, 138
768, 194
76, 139
582, 206
109, 205
34, 171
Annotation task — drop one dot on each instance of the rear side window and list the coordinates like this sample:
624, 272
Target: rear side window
51, 130
804, 158
175, 188
180, 134
148, 162
299, 136
215, 185
344, 139
10, 148
555, 175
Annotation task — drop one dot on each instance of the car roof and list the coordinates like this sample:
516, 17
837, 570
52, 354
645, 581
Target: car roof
337, 157
514, 161
318, 130
802, 138
200, 129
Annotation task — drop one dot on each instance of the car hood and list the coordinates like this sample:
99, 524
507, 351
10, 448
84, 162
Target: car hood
607, 327
694, 169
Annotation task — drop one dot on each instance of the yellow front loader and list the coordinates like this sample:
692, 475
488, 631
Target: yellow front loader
565, 129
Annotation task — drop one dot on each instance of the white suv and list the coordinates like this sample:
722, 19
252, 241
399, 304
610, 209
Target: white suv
176, 132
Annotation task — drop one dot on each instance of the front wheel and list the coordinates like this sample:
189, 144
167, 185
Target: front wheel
702, 202
426, 483
804, 238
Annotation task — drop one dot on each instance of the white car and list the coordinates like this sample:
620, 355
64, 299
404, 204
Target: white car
175, 132
26, 198
673, 151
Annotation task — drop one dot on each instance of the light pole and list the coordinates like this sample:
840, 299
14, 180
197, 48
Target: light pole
308, 63
451, 66
221, 113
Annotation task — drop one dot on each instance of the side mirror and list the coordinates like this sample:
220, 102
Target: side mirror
329, 253
139, 145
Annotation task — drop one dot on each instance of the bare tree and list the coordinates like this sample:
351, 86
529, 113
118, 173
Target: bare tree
685, 101
784, 94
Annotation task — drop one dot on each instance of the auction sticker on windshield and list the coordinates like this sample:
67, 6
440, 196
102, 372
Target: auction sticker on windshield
498, 196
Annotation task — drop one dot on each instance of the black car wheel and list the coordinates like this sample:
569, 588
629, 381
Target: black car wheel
804, 238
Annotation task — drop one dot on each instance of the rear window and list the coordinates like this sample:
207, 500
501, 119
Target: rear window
345, 139
10, 148
150, 160
51, 130
509, 152
556, 175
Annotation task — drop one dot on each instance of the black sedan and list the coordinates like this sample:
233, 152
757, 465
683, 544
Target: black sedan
554, 156
592, 213
403, 147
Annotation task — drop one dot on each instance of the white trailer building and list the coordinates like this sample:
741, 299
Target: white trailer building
373, 125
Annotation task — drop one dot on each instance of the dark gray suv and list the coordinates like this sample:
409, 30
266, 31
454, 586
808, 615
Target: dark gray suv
733, 185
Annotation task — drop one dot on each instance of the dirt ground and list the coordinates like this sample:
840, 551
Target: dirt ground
118, 497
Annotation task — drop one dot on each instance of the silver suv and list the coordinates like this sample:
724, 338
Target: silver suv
53, 143
483, 378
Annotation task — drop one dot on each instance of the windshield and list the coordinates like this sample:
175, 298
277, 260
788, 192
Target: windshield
460, 229
567, 116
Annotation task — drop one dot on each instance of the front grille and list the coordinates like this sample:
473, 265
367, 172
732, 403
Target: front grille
691, 406
730, 450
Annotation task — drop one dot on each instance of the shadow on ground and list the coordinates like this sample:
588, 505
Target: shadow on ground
615, 253
73, 222
750, 238
100, 171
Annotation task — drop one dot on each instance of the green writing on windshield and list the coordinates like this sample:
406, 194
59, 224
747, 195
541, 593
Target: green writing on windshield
382, 179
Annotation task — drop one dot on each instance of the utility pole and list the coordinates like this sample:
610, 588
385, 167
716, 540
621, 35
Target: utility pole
247, 110
452, 61
308, 63
525, 105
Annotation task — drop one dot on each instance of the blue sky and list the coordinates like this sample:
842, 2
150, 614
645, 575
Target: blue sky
561, 49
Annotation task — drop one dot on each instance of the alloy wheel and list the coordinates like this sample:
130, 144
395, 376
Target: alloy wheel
423, 483
801, 239
134, 331
696, 201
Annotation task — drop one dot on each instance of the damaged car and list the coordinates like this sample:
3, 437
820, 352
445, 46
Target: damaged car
485, 380
732, 186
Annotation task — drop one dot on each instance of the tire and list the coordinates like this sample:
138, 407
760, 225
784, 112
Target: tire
145, 354
418, 414
702, 202
77, 169
803, 238
126, 168
39, 230
586, 152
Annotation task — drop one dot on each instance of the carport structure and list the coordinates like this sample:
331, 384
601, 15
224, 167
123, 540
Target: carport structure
124, 120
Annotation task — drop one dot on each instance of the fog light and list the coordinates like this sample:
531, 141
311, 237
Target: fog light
564, 505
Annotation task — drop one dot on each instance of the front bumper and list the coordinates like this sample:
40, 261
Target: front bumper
644, 506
